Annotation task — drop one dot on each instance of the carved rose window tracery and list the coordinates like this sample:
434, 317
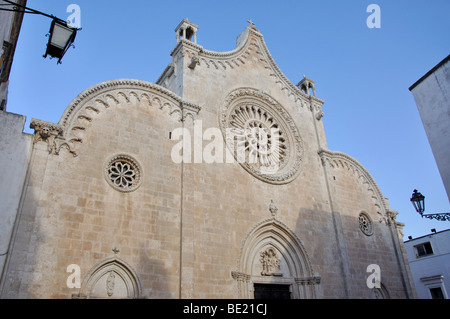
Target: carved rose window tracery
122, 174
261, 135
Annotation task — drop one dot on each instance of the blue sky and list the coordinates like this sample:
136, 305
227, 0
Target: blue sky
362, 74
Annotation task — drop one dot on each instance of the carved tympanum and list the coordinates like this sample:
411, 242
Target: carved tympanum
270, 263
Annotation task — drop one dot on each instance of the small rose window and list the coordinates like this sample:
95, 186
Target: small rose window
123, 173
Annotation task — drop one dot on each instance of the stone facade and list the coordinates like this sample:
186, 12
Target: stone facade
104, 192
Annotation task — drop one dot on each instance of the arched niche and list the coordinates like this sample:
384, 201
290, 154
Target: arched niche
273, 256
111, 279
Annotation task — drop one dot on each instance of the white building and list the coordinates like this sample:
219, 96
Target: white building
432, 95
10, 23
429, 260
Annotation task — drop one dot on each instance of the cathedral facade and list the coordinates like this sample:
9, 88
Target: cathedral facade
213, 182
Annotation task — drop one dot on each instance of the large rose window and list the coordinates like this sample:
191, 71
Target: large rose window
261, 135
258, 138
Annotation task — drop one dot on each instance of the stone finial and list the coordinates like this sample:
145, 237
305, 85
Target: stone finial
116, 250
45, 130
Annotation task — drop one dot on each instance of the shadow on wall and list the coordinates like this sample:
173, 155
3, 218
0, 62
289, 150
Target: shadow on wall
47, 239
115, 278
343, 254
317, 230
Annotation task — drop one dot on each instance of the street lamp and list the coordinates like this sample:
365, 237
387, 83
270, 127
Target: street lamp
418, 201
60, 39
61, 36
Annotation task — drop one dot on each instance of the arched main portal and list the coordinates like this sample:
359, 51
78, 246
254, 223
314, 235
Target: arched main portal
273, 263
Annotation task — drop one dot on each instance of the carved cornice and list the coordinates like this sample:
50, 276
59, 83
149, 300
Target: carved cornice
168, 71
184, 44
53, 135
46, 128
339, 160
240, 276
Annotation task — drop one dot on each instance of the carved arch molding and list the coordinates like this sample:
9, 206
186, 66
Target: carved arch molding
89, 104
338, 160
272, 254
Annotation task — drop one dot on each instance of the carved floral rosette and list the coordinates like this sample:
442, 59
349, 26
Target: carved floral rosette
246, 110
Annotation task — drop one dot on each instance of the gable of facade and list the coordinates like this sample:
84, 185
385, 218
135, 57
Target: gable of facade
240, 212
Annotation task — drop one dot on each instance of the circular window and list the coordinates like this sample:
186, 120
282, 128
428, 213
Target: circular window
261, 135
365, 224
123, 173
